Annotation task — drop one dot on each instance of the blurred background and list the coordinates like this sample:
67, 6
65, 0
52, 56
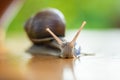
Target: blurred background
100, 36
99, 14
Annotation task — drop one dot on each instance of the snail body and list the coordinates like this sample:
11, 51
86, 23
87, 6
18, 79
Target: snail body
68, 49
46, 30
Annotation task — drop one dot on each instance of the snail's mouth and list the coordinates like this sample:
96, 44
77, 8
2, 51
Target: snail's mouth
67, 51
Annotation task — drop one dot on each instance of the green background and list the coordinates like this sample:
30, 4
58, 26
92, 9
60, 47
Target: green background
99, 14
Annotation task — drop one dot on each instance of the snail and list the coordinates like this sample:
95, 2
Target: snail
46, 30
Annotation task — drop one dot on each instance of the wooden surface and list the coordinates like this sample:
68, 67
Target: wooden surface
16, 64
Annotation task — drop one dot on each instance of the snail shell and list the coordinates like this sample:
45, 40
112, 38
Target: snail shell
43, 42
36, 25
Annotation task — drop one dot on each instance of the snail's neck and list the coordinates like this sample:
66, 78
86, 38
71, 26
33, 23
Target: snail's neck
67, 50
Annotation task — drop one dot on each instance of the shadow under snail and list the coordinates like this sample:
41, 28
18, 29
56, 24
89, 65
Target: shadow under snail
46, 30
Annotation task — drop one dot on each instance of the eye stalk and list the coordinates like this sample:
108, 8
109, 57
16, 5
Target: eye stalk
74, 39
68, 48
55, 37
77, 34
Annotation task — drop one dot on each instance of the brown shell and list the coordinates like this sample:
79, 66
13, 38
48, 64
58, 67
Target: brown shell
36, 26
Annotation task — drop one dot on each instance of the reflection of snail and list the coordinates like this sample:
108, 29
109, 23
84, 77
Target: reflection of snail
50, 67
44, 25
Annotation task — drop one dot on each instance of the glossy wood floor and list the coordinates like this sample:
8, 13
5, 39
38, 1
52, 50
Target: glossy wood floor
16, 64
